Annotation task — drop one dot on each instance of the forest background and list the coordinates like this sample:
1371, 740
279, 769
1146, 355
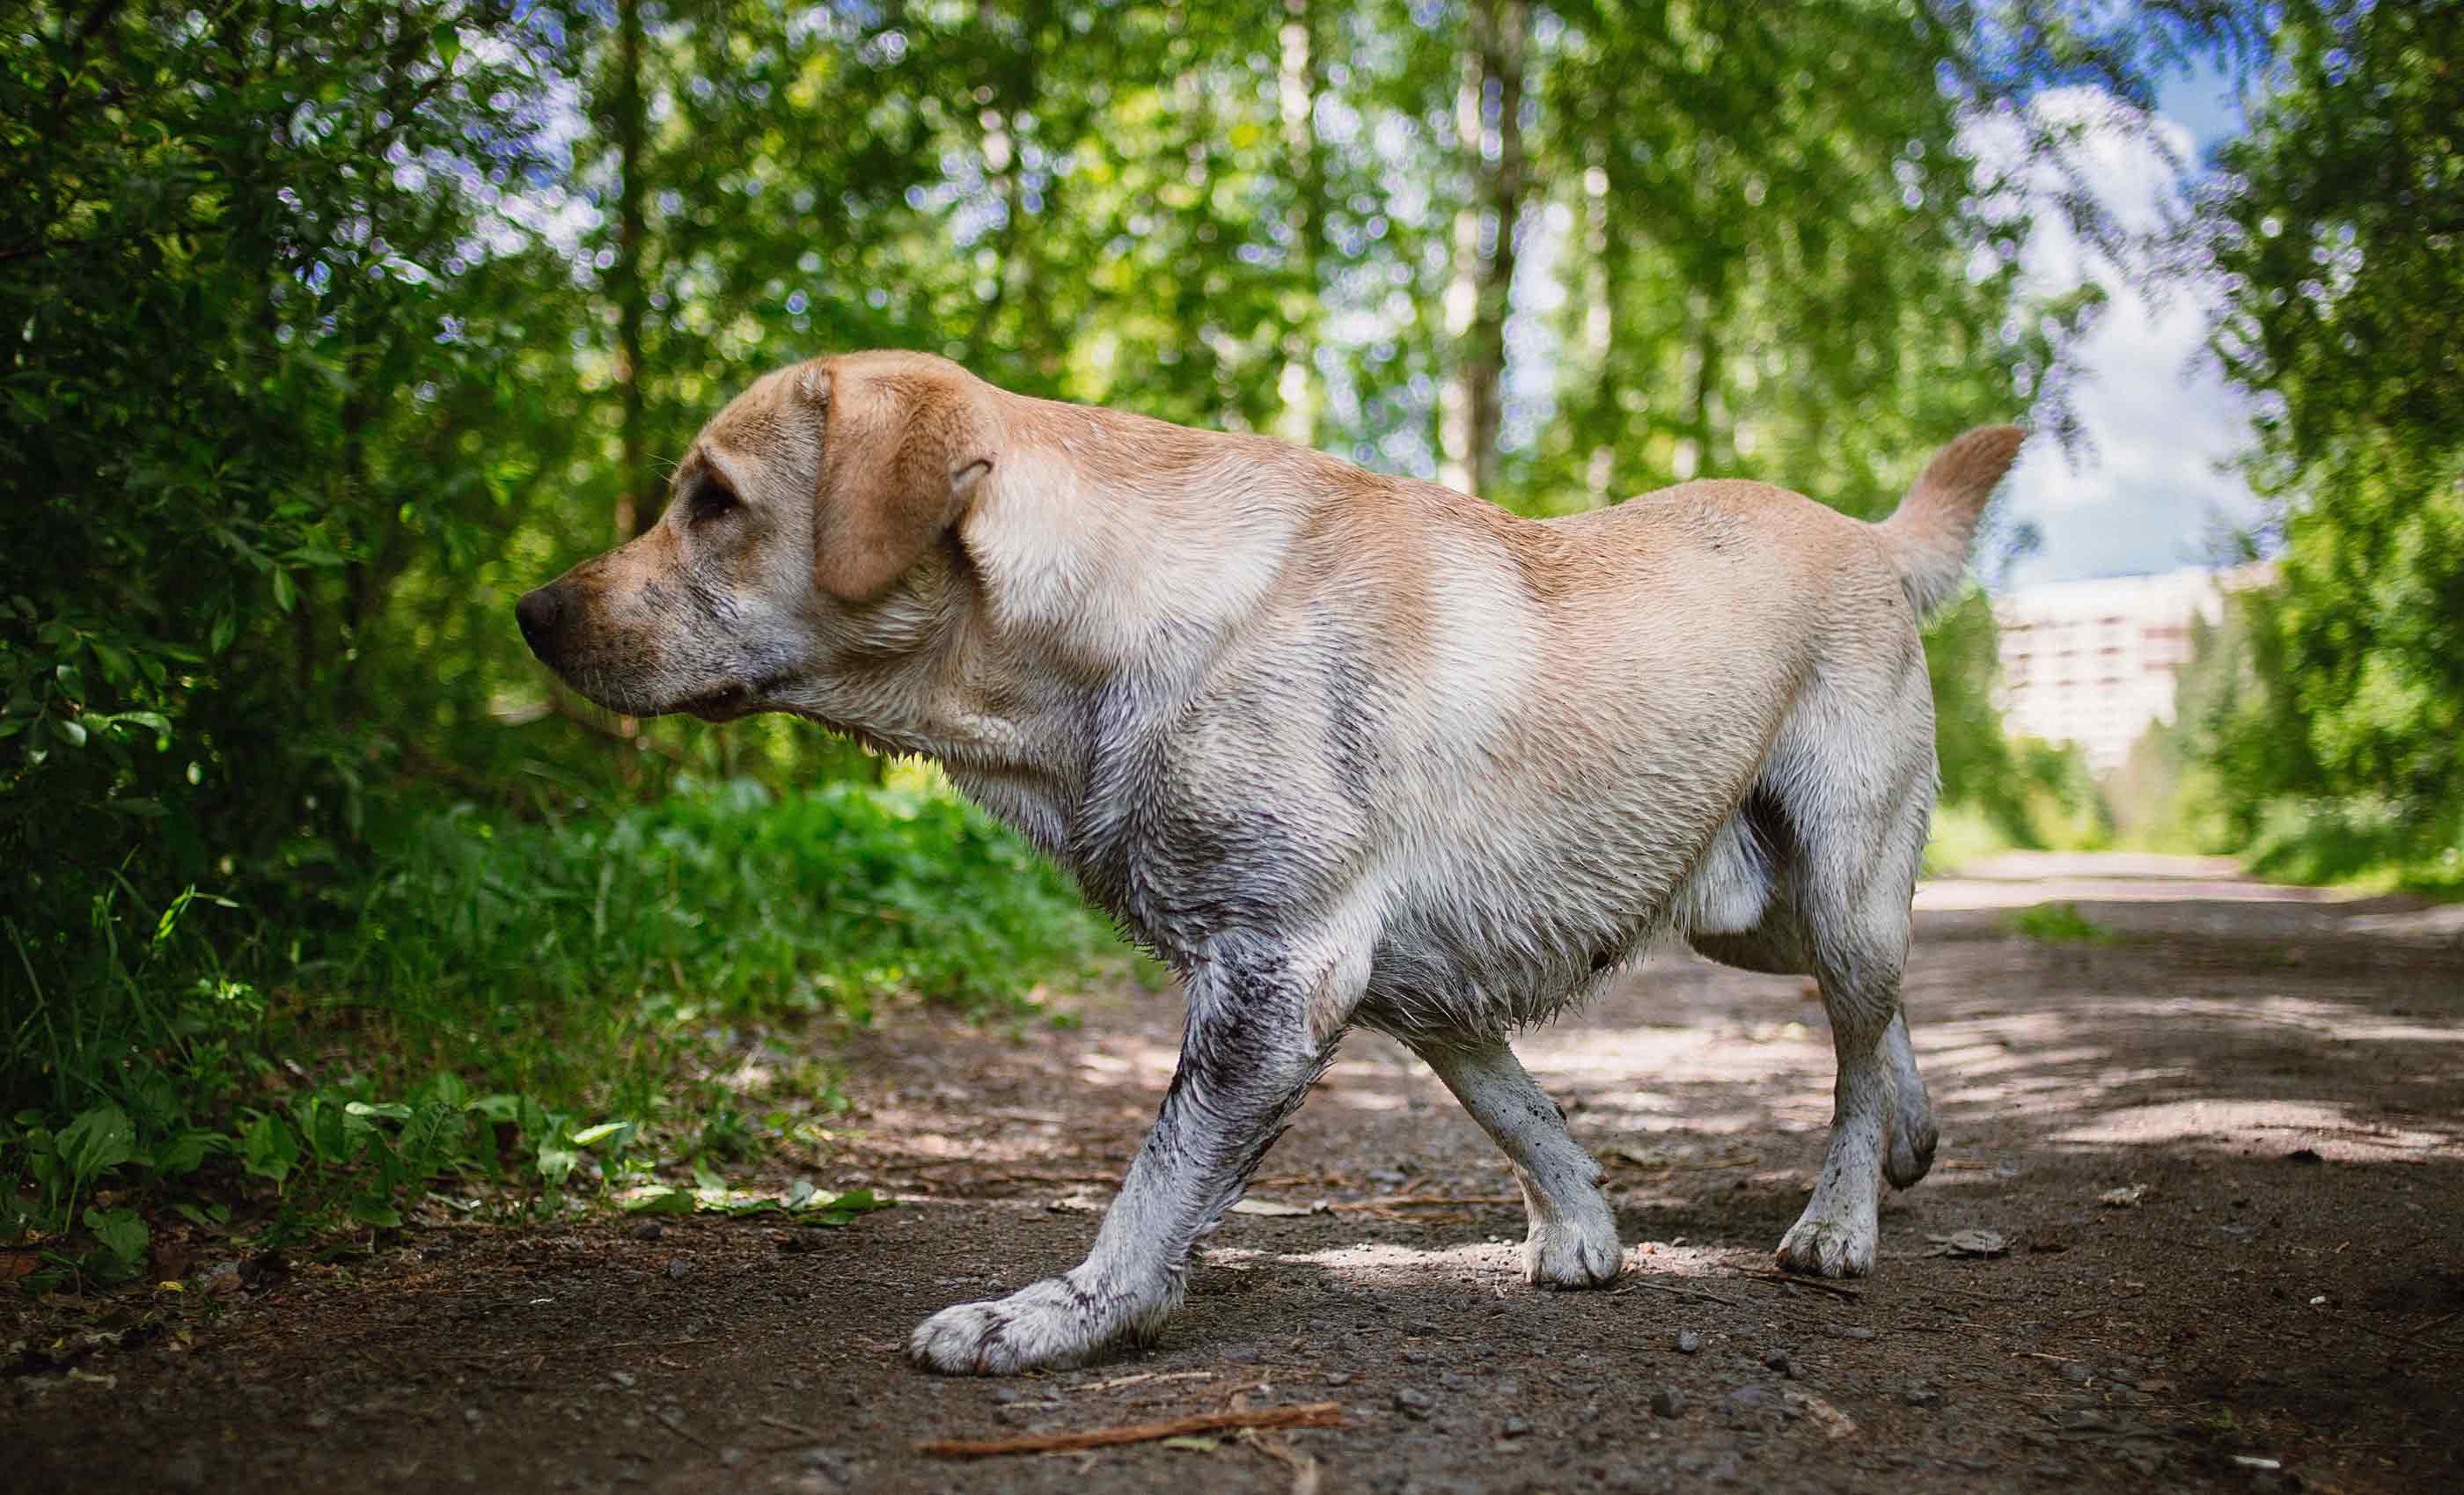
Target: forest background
335, 326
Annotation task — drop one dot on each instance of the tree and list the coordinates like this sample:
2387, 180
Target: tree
1488, 126
2339, 236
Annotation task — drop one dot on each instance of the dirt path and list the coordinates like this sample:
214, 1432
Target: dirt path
2277, 1077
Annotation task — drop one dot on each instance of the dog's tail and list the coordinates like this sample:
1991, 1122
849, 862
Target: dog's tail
1928, 535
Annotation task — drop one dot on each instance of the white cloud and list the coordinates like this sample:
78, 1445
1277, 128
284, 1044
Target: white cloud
2162, 426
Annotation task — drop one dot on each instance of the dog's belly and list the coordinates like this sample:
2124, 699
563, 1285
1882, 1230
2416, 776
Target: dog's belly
1522, 915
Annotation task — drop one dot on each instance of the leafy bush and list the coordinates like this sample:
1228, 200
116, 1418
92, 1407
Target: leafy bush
2060, 924
540, 1005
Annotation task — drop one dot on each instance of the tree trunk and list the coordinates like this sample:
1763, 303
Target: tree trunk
636, 491
1299, 80
1697, 451
1014, 96
1478, 301
1600, 325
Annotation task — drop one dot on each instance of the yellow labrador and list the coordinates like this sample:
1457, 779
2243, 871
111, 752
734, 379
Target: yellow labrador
1343, 748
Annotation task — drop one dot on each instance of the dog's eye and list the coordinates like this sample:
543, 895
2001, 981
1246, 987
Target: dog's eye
711, 500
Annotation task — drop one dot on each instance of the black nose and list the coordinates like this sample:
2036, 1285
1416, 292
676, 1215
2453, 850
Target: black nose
537, 612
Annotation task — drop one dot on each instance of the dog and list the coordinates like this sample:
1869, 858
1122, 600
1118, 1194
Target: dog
1342, 748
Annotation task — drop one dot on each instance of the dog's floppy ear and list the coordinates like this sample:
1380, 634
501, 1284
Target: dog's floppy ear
901, 450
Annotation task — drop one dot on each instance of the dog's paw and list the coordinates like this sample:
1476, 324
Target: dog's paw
1050, 1326
1823, 1248
1571, 1255
1910, 1156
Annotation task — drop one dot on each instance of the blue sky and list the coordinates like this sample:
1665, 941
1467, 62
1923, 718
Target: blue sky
2161, 425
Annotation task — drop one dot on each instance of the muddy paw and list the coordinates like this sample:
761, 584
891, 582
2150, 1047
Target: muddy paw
1828, 1248
1567, 1255
1052, 1326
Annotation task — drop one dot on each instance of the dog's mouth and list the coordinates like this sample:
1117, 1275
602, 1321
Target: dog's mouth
732, 700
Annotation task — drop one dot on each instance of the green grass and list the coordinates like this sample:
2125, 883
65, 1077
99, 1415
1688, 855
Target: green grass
2375, 845
2060, 924
1962, 834
522, 1011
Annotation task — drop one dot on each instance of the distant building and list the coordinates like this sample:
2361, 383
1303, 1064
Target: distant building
2092, 662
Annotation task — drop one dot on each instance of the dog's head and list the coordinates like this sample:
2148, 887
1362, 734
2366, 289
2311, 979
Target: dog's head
806, 536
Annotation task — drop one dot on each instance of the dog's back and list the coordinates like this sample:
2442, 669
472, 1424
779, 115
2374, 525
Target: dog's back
1510, 754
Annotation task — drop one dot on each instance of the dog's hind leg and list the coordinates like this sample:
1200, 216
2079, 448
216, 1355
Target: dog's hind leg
1782, 944
1912, 1133
1262, 1023
1573, 1240
1854, 874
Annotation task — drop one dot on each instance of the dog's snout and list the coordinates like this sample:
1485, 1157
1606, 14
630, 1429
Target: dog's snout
538, 612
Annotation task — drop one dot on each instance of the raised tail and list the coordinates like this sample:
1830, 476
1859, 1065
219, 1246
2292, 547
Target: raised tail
1928, 535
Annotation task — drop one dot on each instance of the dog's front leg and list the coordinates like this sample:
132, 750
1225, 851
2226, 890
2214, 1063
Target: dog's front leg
1260, 1032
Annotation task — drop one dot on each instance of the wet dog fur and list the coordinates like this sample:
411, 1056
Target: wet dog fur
1342, 748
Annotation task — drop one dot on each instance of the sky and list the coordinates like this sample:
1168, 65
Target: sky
2156, 481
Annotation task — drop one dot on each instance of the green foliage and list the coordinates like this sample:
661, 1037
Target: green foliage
2334, 700
2058, 924
538, 1008
2372, 843
332, 328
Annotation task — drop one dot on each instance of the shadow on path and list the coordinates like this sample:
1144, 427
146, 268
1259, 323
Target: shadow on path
2273, 1079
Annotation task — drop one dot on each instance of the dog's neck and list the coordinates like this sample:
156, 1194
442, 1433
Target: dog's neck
1098, 574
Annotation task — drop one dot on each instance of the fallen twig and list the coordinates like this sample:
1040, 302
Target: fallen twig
797, 1428
1315, 1414
569, 1350
1144, 1375
1394, 1201
1681, 1292
676, 1426
2425, 1346
1304, 1466
2440, 1321
1618, 1155
1791, 1280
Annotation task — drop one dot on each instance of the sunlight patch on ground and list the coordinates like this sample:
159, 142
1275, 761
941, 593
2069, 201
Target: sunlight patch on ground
1130, 1061
2329, 1020
1974, 892
1017, 1144
2058, 1092
2332, 1130
1704, 1055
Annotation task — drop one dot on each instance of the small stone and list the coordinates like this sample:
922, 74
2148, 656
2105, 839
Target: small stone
1415, 1403
1780, 1360
731, 1457
320, 1419
679, 1267
1688, 1341
1338, 1379
623, 1379
2077, 1374
1515, 1427
1415, 1357
470, 1414
1668, 1401
1922, 1397
649, 1230
1853, 1331
827, 1468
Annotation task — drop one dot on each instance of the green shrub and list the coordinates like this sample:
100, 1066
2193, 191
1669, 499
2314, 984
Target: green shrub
2060, 924
540, 1005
